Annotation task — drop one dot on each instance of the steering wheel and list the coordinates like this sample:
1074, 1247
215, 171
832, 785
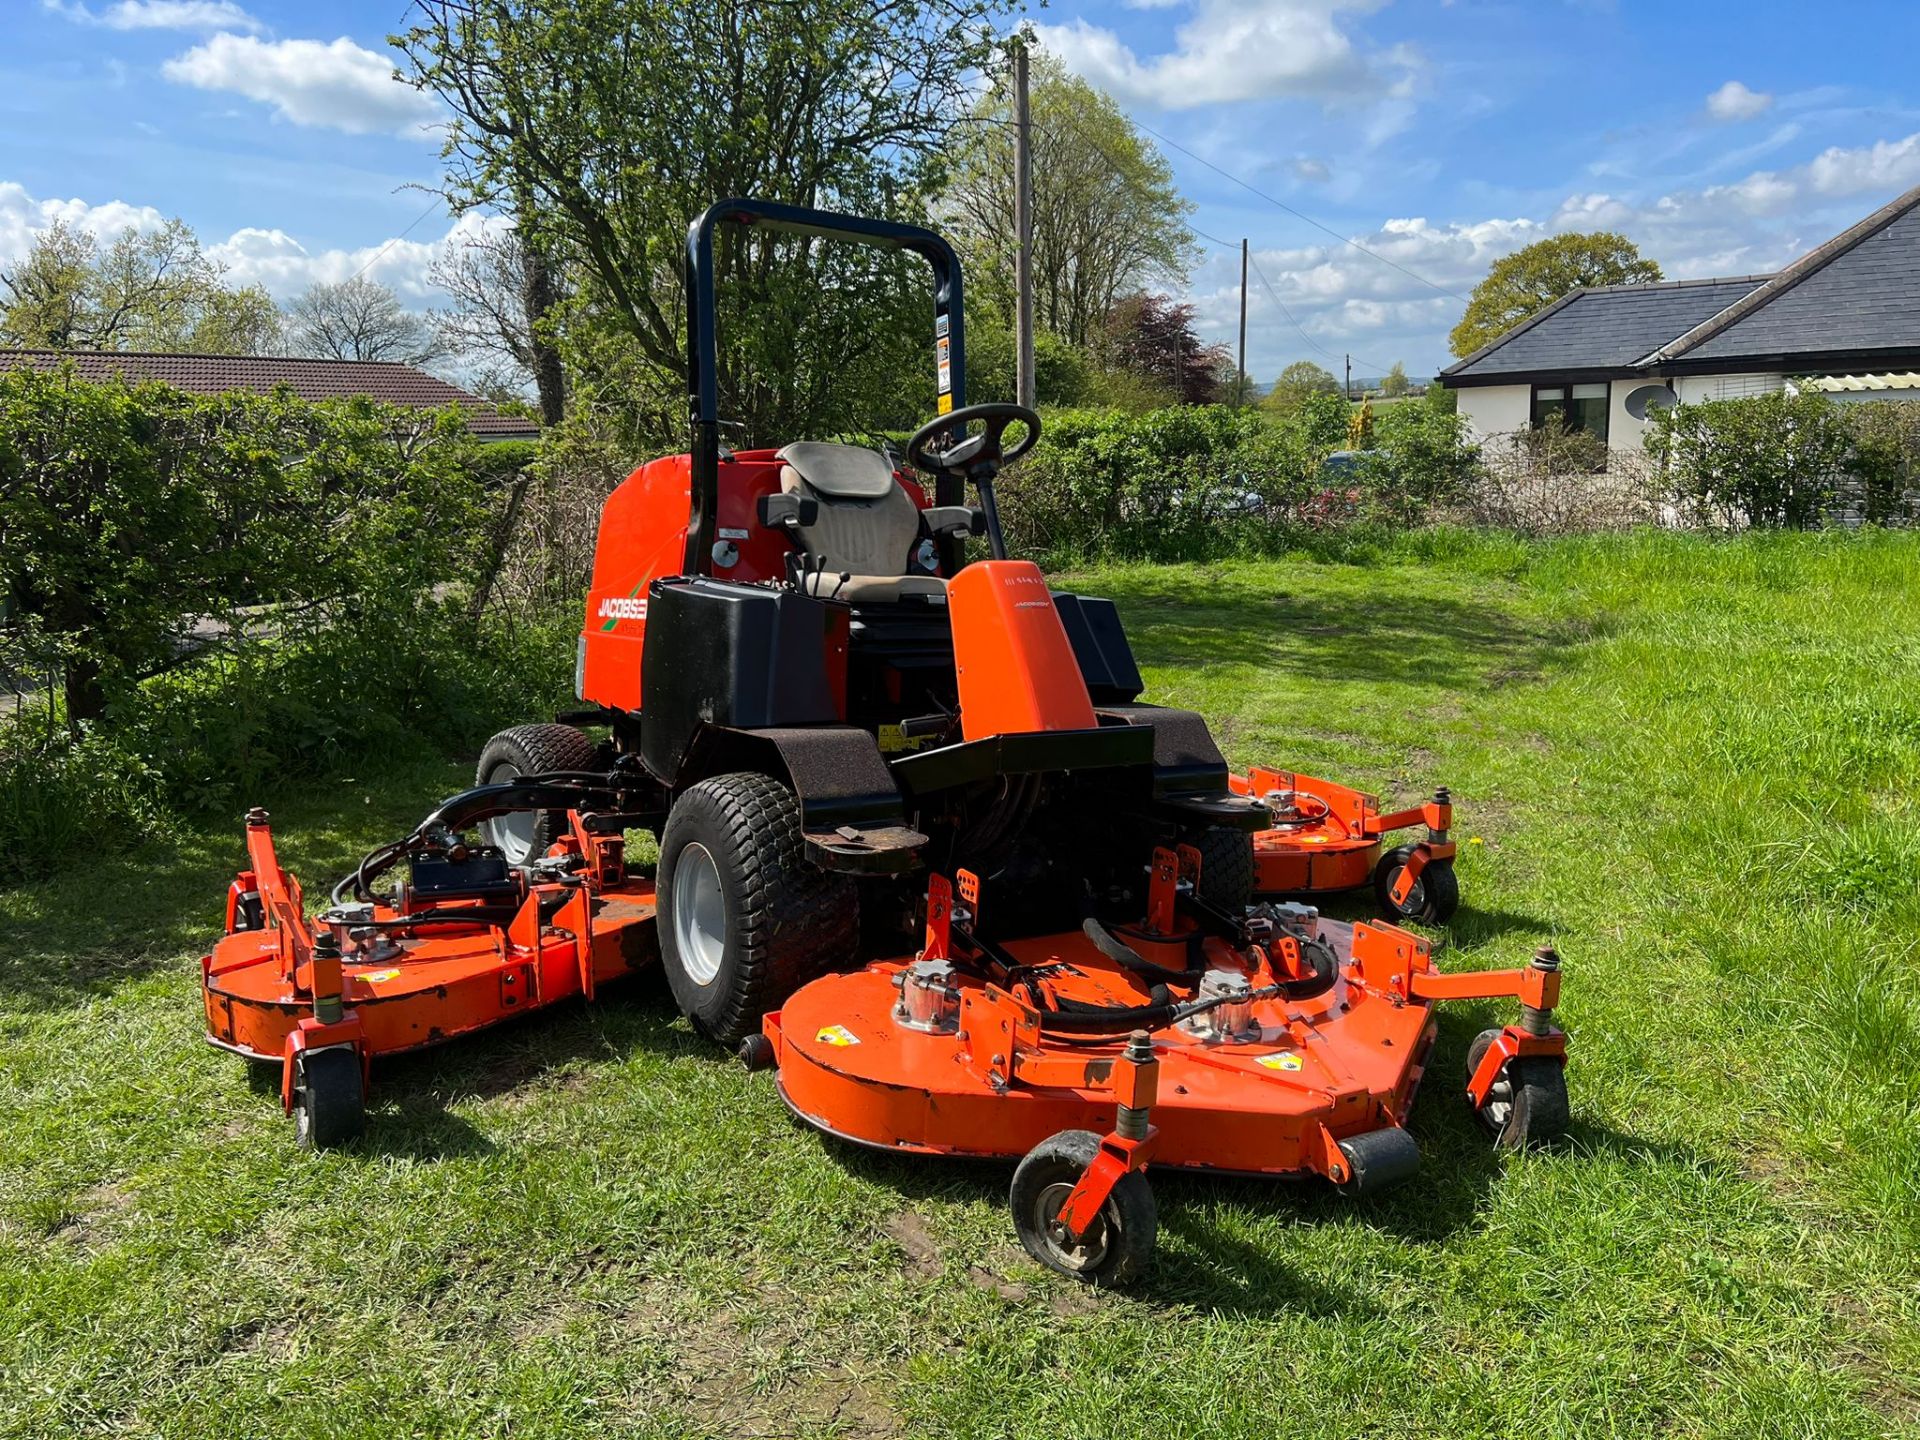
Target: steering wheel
968, 452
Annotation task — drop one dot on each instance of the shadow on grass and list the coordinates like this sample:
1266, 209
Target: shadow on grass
1426, 638
91, 928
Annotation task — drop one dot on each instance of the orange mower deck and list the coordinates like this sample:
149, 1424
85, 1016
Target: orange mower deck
278, 987
1327, 838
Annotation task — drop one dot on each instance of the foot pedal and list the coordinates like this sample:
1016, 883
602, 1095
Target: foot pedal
865, 849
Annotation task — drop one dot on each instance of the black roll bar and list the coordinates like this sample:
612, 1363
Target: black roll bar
703, 347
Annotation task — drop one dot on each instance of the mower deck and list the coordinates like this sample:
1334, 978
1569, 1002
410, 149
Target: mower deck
1274, 1099
1327, 838
448, 982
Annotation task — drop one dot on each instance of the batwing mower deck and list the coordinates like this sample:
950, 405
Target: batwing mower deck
1327, 838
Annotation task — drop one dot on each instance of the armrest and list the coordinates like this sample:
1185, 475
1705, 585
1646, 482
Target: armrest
953, 520
781, 511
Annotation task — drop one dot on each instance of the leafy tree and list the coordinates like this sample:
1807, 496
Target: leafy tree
1153, 336
1533, 277
618, 121
506, 294
359, 319
1298, 381
148, 290
1440, 397
1107, 216
1394, 385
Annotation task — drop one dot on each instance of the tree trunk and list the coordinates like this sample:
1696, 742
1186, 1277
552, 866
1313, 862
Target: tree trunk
86, 699
538, 294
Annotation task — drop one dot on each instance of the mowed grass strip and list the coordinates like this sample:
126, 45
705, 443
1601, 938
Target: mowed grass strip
1689, 764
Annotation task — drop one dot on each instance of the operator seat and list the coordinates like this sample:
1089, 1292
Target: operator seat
866, 530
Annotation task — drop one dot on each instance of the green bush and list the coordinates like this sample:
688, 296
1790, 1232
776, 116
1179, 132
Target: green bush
239, 589
1199, 482
60, 795
1885, 460
1767, 460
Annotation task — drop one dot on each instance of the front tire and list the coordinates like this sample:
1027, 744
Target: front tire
745, 917
530, 750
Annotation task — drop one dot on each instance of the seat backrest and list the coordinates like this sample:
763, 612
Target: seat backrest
867, 524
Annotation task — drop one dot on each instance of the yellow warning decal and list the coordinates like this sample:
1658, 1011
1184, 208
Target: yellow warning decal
1285, 1060
376, 976
944, 405
893, 739
837, 1035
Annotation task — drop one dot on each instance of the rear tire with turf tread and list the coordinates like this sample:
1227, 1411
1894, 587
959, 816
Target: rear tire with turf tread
531, 750
779, 920
1226, 867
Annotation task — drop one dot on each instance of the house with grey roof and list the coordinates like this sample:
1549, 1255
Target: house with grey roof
1844, 318
386, 381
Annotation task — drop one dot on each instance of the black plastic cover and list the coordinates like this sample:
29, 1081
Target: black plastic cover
1100, 645
718, 653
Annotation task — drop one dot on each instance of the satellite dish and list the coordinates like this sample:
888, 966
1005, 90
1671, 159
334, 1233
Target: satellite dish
1650, 397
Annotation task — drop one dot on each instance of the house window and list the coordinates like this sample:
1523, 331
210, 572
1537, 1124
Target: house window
1580, 407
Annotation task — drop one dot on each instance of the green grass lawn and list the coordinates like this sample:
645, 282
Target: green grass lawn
1691, 765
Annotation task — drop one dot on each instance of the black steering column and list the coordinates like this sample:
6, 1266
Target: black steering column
978, 456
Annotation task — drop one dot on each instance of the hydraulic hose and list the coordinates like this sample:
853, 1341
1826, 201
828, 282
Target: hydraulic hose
550, 790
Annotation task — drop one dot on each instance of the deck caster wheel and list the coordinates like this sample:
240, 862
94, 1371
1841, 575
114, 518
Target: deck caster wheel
756, 1052
1433, 898
1527, 1102
1119, 1244
329, 1106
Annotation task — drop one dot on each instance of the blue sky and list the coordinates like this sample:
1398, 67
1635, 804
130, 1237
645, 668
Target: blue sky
1724, 138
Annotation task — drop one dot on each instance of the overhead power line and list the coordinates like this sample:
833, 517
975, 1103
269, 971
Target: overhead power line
1229, 245
418, 220
1300, 215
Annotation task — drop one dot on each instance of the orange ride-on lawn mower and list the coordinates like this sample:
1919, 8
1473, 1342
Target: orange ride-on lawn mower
1325, 838
832, 719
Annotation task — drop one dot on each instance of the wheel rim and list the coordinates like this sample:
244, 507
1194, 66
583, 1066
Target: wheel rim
1092, 1248
513, 832
1499, 1107
699, 914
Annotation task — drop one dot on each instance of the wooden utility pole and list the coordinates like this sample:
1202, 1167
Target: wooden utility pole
1349, 391
1240, 380
1022, 228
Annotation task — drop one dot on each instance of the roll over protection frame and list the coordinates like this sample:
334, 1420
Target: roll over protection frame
703, 349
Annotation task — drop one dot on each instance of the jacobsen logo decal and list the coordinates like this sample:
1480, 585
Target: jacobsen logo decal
615, 608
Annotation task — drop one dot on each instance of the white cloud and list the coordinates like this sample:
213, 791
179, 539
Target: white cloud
255, 255
276, 260
1237, 50
340, 85
1734, 101
1884, 165
22, 217
162, 15
1305, 167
